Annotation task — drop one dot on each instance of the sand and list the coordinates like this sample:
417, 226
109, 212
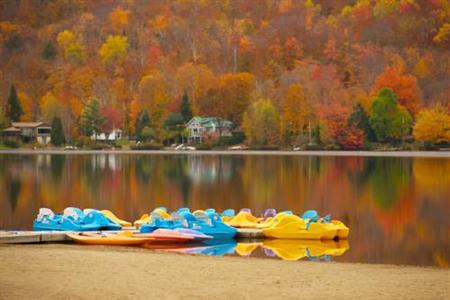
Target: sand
56, 271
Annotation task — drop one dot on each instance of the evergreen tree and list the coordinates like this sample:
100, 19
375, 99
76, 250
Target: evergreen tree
360, 119
57, 133
142, 121
14, 109
185, 109
49, 51
91, 120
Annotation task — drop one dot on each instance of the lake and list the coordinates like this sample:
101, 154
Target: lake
397, 209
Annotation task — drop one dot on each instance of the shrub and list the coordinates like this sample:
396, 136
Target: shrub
351, 138
332, 147
99, 146
82, 141
147, 146
313, 147
203, 146
11, 143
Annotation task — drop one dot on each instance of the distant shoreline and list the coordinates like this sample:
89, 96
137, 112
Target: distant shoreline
431, 154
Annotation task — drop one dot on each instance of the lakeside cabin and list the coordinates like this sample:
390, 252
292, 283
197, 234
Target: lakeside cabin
200, 129
29, 132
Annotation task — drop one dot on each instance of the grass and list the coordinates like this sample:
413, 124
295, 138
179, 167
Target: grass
4, 147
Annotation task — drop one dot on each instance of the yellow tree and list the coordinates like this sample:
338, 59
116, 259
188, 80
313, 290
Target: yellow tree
74, 50
27, 106
296, 111
433, 125
261, 123
114, 50
50, 107
154, 96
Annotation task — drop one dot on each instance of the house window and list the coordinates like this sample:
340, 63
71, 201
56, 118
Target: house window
44, 130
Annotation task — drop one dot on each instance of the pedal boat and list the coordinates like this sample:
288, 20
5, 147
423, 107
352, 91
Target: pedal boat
293, 227
118, 239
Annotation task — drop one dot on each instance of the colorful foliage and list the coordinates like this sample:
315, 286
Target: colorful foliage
433, 125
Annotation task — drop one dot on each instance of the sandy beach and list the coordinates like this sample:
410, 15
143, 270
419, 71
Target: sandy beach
52, 271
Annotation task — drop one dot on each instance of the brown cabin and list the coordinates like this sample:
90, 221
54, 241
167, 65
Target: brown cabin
29, 132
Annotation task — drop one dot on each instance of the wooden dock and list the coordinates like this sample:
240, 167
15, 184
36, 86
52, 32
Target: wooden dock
29, 237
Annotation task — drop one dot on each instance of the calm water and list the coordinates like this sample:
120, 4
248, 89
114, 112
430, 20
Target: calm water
397, 208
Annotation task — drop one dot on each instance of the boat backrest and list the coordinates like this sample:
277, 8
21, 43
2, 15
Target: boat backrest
73, 212
87, 211
163, 208
154, 216
210, 210
228, 213
174, 216
187, 216
326, 219
45, 213
183, 209
202, 217
247, 210
270, 212
310, 214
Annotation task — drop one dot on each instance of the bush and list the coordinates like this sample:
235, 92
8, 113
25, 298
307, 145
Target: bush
332, 147
147, 146
82, 141
313, 147
11, 143
99, 146
265, 147
203, 146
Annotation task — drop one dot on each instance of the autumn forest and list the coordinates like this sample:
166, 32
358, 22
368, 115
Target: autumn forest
338, 74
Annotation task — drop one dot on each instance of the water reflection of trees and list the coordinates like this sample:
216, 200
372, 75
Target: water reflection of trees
394, 206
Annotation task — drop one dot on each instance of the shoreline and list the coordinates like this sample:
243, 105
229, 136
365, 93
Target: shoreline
430, 154
71, 271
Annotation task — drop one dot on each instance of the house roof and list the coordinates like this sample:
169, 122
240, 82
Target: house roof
11, 129
211, 122
29, 124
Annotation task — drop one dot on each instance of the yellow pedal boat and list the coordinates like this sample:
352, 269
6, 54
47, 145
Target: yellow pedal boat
110, 215
293, 227
125, 238
298, 249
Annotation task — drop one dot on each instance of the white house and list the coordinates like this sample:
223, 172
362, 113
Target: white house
114, 135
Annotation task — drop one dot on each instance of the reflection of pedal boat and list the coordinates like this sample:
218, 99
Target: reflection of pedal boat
121, 239
293, 227
246, 249
298, 249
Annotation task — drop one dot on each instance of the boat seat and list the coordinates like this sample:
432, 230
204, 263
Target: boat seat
203, 217
45, 213
310, 214
73, 212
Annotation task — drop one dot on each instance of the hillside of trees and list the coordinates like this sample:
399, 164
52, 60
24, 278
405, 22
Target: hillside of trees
342, 73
